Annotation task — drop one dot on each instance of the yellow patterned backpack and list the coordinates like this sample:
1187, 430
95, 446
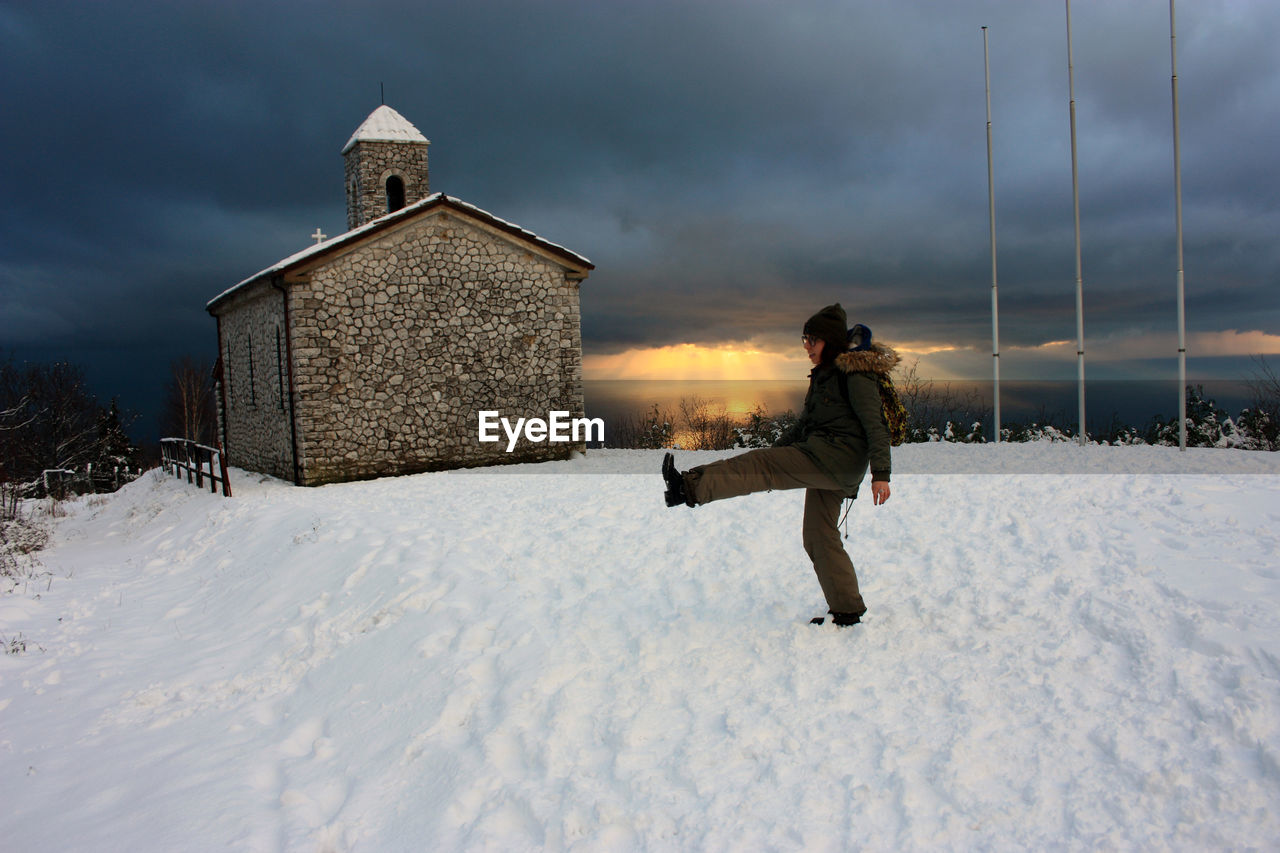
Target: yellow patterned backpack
894, 413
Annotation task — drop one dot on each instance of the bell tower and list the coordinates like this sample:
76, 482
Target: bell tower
386, 166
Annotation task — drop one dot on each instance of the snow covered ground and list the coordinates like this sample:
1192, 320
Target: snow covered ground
1067, 648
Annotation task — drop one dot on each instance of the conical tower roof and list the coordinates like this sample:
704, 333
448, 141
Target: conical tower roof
384, 125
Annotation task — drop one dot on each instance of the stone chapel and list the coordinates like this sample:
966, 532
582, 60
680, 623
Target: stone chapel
372, 353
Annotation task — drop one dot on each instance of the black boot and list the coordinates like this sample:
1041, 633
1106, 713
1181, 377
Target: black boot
676, 493
840, 620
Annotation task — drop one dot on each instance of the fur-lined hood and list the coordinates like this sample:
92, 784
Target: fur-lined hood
878, 359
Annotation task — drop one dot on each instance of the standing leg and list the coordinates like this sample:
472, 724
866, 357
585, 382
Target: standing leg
830, 561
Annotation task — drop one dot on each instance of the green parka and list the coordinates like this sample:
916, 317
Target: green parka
845, 438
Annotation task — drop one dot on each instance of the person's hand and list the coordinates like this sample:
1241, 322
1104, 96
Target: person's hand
879, 492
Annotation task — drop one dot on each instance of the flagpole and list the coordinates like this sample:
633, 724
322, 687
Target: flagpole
1177, 190
1075, 200
991, 208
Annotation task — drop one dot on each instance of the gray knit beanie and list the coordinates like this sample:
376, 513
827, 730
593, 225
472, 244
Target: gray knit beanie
829, 325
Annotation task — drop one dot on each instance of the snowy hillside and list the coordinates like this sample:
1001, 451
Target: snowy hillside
1066, 649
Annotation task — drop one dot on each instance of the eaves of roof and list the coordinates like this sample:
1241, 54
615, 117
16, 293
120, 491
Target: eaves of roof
317, 253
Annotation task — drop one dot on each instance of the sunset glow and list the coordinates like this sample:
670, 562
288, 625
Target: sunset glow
937, 361
694, 361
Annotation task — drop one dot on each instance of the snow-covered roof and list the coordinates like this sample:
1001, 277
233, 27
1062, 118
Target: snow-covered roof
433, 200
384, 125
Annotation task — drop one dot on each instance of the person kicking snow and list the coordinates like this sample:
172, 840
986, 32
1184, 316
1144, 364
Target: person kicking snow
839, 435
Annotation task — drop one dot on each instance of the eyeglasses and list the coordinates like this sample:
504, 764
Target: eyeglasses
808, 340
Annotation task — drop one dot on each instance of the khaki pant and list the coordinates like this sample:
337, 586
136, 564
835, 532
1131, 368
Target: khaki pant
789, 468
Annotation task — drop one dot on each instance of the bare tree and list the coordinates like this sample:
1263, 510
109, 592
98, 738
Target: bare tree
1265, 385
189, 407
701, 426
16, 416
934, 407
64, 431
49, 421
648, 430
1262, 418
708, 427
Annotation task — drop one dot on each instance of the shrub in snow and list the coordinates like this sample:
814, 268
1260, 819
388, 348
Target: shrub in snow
762, 429
1035, 432
1207, 426
1127, 435
1259, 430
19, 539
14, 645
1210, 426
949, 432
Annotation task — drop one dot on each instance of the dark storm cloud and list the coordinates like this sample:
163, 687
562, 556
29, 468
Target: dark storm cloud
728, 166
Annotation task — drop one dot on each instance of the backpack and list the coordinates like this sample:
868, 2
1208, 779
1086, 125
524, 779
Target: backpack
892, 411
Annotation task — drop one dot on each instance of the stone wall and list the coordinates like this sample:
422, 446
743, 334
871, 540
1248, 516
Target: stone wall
399, 343
369, 164
255, 383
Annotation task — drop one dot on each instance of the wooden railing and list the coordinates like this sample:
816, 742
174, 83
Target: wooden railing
200, 462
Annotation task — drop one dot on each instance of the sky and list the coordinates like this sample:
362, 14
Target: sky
729, 167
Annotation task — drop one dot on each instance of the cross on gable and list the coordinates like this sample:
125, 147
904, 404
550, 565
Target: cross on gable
319, 237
